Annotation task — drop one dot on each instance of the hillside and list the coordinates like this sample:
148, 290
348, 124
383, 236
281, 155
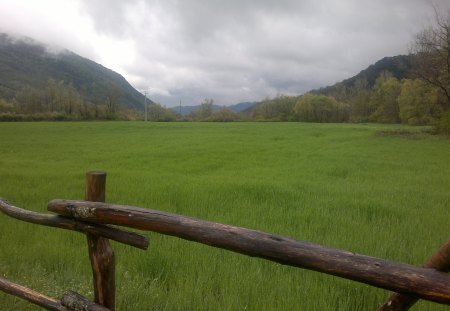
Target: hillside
399, 66
25, 62
281, 107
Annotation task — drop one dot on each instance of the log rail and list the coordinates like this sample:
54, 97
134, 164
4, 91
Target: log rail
71, 301
425, 283
95, 218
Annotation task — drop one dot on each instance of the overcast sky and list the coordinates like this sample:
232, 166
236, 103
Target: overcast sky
228, 50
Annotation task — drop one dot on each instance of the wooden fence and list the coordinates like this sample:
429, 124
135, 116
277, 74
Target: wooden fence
93, 217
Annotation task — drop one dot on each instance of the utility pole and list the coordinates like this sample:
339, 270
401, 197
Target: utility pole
180, 107
145, 104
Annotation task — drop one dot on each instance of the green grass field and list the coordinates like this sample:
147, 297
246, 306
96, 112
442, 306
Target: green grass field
338, 185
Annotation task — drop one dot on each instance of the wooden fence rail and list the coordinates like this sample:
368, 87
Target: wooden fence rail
119, 235
93, 217
422, 282
71, 301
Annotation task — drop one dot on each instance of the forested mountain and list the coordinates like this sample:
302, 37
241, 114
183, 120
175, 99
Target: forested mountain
281, 107
388, 91
399, 66
27, 63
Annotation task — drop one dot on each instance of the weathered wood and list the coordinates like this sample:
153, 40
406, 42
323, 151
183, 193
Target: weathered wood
76, 302
71, 301
95, 189
440, 261
425, 283
103, 268
100, 252
116, 234
31, 296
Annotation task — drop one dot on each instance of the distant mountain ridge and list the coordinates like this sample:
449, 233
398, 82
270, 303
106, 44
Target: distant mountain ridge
239, 107
25, 62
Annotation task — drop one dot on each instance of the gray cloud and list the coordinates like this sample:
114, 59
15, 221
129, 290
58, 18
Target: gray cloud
235, 51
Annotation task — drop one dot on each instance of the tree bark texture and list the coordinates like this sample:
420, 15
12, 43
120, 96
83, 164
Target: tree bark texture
439, 261
30, 295
76, 302
100, 252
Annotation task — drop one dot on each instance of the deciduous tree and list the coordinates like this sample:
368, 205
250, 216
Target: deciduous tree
418, 102
431, 50
384, 98
112, 99
320, 108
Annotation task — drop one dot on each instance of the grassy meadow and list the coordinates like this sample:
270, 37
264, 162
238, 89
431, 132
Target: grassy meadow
340, 185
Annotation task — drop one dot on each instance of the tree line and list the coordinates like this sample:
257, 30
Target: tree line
409, 101
61, 101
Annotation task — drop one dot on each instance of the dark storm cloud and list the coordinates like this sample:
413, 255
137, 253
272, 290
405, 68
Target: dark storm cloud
235, 51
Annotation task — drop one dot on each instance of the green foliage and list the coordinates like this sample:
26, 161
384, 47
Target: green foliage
42, 116
361, 109
277, 109
58, 98
5, 106
224, 115
204, 112
160, 114
339, 185
320, 108
418, 102
399, 66
112, 100
384, 98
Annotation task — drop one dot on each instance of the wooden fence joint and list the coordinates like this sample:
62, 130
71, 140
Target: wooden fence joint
101, 253
439, 261
76, 302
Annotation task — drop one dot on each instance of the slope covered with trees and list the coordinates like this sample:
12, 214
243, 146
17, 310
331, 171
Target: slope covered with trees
399, 66
389, 100
411, 89
30, 68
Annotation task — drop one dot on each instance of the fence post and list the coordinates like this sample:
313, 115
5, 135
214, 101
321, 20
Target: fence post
440, 261
100, 252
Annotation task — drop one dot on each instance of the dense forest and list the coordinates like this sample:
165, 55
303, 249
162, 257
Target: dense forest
60, 101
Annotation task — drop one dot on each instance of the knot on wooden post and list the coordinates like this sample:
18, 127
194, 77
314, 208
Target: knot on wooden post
81, 211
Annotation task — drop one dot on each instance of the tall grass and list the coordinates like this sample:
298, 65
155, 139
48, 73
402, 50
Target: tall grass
338, 185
